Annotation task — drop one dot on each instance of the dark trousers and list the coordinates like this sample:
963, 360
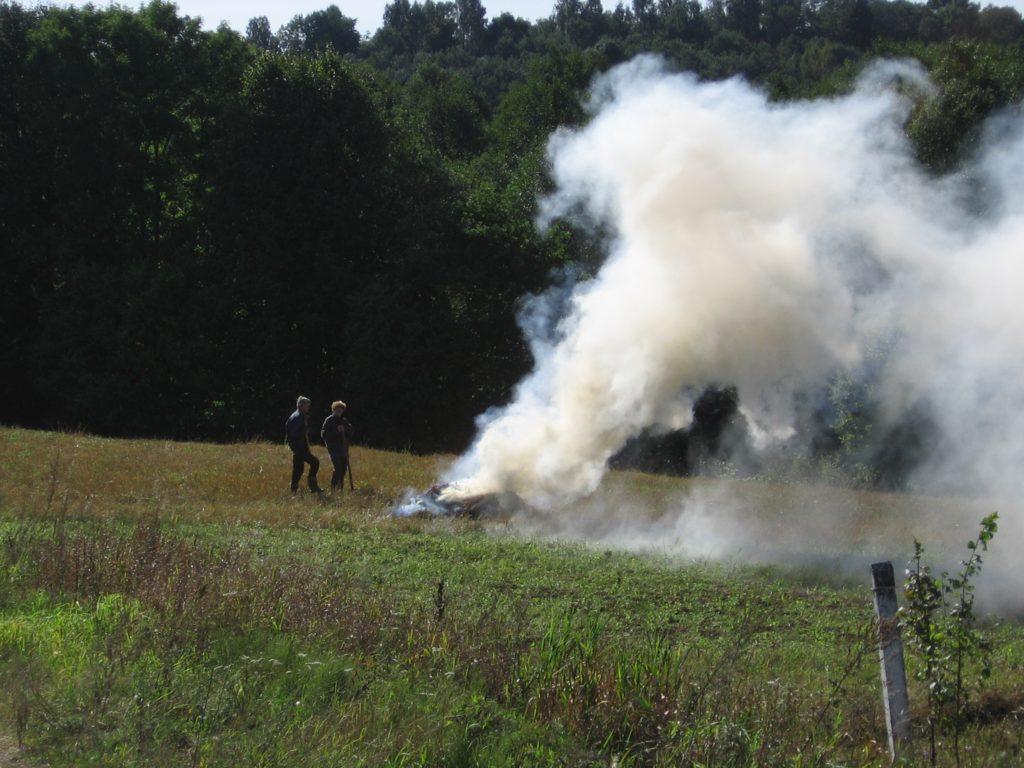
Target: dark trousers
340, 461
299, 458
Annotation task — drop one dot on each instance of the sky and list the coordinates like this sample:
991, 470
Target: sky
367, 13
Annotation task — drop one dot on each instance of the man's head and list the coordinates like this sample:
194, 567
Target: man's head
302, 404
338, 407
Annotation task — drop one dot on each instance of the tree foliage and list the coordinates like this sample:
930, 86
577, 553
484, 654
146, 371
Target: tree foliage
198, 225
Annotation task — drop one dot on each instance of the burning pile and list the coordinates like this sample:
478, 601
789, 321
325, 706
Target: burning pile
436, 503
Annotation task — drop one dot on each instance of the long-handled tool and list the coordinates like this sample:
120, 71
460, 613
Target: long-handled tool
351, 482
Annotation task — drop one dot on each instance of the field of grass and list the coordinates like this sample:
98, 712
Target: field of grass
170, 604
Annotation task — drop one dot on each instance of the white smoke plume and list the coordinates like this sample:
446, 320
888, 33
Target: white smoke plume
768, 246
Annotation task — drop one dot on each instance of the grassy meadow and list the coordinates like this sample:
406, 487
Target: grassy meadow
170, 604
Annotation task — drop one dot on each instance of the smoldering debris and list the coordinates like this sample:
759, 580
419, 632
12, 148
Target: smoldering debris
434, 503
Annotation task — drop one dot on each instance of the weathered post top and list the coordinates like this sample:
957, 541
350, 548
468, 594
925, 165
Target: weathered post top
883, 576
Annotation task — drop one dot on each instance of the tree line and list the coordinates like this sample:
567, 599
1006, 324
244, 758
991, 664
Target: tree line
198, 225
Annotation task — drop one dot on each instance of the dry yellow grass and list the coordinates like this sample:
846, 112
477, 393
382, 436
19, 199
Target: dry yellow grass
248, 483
204, 482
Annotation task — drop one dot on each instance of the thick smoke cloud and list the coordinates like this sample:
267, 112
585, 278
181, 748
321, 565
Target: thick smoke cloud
770, 246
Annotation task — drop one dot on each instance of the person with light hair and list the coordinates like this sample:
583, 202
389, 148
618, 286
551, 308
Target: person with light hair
336, 432
297, 435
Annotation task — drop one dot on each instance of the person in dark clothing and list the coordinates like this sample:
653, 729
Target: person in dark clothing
297, 434
335, 433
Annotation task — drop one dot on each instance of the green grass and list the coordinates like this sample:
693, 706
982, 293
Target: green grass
169, 604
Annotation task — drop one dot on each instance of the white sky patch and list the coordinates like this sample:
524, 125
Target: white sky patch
367, 13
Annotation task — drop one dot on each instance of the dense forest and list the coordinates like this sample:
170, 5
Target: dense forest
196, 226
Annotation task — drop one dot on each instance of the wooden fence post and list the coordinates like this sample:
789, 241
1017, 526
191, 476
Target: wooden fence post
890, 654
